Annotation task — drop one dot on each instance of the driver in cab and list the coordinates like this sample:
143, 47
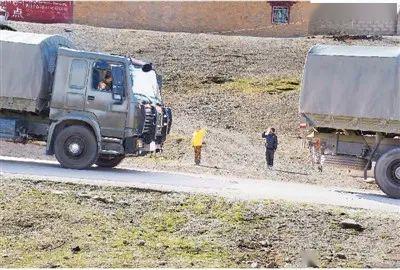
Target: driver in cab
106, 83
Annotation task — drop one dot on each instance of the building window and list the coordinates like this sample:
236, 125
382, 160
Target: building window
280, 15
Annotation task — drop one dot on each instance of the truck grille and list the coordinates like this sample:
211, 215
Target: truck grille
159, 127
149, 120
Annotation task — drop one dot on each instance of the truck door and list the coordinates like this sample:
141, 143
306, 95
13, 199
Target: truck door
76, 87
111, 113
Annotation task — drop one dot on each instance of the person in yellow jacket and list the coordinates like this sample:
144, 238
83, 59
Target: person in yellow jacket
197, 143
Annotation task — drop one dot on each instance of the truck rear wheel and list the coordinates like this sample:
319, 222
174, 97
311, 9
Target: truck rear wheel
387, 173
109, 161
75, 147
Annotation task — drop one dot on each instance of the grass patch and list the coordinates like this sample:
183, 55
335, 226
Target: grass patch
263, 85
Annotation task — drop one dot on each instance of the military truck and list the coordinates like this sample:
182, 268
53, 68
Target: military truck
89, 107
350, 102
3, 20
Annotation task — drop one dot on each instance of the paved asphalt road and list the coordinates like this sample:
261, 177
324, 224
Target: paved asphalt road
234, 188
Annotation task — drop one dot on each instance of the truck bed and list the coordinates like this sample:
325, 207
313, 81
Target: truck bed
27, 67
352, 87
353, 123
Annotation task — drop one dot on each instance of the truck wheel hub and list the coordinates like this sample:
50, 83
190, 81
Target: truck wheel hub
397, 172
74, 146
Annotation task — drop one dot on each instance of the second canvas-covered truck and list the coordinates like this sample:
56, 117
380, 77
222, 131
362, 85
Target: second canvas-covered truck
89, 108
350, 101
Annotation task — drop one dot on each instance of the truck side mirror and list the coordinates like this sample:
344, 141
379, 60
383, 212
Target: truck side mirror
159, 81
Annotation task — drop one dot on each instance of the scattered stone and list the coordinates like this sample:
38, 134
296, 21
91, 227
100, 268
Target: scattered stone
281, 226
217, 79
103, 200
351, 224
162, 263
254, 265
53, 265
75, 249
370, 180
25, 224
125, 242
341, 256
57, 192
141, 242
83, 195
124, 203
265, 243
344, 38
271, 265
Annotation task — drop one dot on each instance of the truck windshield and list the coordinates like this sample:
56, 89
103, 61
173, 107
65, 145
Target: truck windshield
145, 84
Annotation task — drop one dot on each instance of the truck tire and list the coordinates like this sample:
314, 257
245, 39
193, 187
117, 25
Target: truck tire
75, 147
109, 161
387, 173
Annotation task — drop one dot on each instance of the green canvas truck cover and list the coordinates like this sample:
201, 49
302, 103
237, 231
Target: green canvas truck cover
27, 65
352, 87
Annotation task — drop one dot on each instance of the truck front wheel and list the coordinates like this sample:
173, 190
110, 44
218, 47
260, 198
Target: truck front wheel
387, 173
109, 161
75, 147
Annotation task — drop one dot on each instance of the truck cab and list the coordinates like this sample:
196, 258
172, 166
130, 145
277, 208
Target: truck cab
115, 97
3, 16
89, 107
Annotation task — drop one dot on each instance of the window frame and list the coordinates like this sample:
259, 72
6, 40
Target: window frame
275, 7
109, 63
73, 86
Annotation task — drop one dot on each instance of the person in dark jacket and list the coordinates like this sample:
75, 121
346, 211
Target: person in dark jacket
271, 143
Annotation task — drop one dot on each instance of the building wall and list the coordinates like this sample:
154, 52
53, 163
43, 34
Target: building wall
236, 18
398, 23
38, 11
379, 19
225, 17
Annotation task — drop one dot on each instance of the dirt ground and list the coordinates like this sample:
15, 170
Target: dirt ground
44, 224
233, 86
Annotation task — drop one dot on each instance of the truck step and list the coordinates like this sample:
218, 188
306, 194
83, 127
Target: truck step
109, 152
350, 162
111, 140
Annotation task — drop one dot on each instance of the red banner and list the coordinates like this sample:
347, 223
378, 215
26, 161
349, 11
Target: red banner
38, 11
